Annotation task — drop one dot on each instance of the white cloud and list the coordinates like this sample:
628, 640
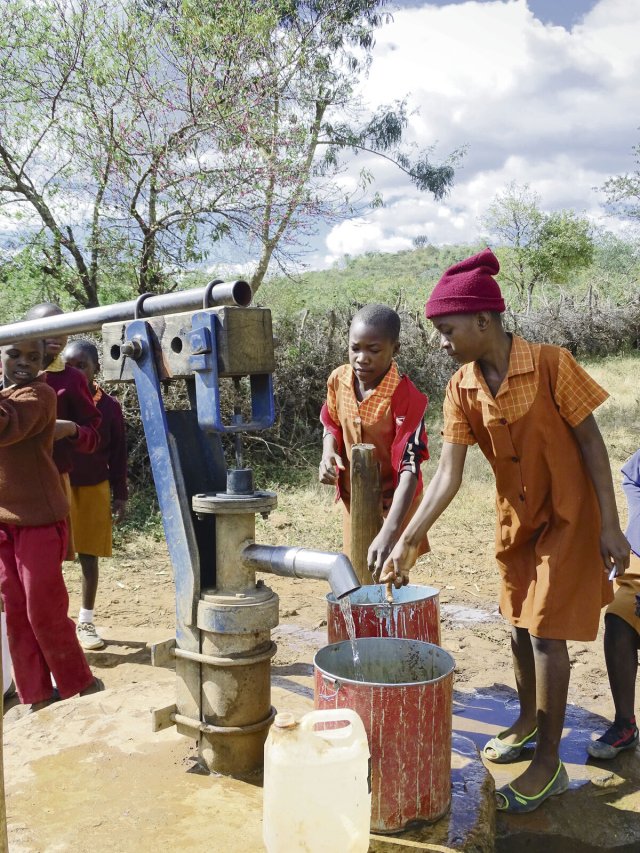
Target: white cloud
535, 103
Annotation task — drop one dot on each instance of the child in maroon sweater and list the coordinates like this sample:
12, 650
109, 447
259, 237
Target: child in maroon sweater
74, 403
98, 485
33, 535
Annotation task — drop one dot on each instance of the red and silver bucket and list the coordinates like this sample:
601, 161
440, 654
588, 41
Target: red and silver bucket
414, 614
402, 691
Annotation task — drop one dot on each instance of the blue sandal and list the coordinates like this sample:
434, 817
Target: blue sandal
513, 802
503, 752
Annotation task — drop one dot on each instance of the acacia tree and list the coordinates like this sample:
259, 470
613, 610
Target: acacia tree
623, 191
110, 132
307, 117
539, 246
137, 136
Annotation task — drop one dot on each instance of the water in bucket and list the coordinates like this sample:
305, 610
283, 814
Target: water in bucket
414, 614
317, 797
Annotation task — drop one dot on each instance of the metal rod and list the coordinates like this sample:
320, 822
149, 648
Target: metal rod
210, 729
216, 660
91, 319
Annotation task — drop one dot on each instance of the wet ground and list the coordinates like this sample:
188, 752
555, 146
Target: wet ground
88, 774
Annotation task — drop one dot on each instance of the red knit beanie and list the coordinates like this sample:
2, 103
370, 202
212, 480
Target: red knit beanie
467, 287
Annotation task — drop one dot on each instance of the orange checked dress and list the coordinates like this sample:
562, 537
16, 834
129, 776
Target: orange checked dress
548, 518
391, 419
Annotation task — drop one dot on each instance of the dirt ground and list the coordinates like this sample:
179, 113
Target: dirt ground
136, 591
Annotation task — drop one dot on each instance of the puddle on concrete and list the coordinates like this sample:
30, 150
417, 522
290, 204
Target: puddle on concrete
601, 810
495, 711
460, 615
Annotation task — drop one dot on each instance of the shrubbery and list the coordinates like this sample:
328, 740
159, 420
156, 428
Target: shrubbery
310, 344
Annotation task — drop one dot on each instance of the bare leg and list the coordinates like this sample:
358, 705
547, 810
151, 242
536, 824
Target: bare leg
90, 574
621, 653
525, 672
552, 670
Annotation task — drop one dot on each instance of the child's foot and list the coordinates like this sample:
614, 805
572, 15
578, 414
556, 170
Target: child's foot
501, 752
38, 706
619, 736
509, 799
88, 637
95, 687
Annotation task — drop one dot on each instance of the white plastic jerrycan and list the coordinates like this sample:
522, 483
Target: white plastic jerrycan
316, 784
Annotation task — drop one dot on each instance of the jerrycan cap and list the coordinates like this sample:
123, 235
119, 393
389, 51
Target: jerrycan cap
285, 720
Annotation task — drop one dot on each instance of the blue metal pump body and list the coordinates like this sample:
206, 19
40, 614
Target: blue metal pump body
184, 445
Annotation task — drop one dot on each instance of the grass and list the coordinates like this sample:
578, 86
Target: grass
619, 417
311, 518
307, 515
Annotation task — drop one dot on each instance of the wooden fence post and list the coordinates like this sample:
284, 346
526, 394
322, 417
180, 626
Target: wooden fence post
366, 507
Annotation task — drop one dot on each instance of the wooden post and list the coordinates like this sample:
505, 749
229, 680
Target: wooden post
366, 507
4, 843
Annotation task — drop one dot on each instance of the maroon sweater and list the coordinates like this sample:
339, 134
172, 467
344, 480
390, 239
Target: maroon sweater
31, 492
75, 403
109, 461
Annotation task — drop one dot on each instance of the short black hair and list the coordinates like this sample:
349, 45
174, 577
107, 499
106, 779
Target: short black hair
43, 309
380, 317
87, 347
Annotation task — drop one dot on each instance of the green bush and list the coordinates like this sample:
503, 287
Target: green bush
309, 344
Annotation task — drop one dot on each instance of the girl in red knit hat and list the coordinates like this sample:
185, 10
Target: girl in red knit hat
558, 539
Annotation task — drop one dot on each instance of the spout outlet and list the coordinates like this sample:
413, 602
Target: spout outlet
282, 560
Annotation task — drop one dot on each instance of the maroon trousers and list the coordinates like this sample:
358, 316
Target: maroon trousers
42, 638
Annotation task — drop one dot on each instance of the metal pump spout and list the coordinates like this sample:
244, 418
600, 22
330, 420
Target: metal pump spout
288, 562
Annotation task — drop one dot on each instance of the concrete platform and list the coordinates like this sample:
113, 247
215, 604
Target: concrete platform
600, 812
88, 774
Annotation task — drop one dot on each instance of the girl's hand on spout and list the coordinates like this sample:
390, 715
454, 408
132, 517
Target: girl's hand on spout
396, 568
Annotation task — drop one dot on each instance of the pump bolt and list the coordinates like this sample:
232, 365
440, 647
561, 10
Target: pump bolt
200, 341
132, 349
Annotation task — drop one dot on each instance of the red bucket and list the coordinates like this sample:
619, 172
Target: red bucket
413, 615
404, 700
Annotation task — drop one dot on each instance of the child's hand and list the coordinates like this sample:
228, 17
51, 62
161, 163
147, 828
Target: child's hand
397, 566
329, 465
119, 510
378, 552
65, 429
615, 550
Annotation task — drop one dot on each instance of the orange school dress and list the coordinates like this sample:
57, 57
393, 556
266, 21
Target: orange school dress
391, 419
548, 518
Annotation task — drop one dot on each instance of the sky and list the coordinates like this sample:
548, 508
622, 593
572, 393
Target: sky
542, 92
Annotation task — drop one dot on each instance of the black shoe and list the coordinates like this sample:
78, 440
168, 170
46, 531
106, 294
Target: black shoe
618, 737
38, 706
96, 687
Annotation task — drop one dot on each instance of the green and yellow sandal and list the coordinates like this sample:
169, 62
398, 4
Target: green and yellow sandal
513, 802
499, 752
